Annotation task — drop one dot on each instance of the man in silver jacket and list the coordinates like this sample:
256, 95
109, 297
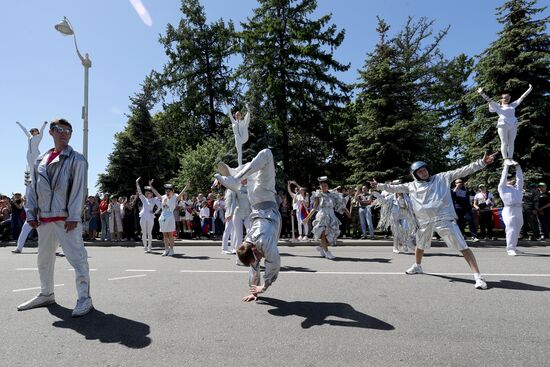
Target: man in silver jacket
54, 207
261, 240
434, 210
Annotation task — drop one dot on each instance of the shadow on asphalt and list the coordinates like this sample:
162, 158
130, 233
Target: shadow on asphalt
531, 254
365, 260
297, 269
440, 254
182, 256
107, 328
502, 284
316, 313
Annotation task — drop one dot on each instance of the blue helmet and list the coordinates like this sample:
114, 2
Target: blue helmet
416, 166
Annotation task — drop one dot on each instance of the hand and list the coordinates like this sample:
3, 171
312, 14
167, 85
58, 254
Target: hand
70, 225
249, 298
488, 159
305, 220
33, 223
480, 90
530, 86
151, 182
255, 289
139, 178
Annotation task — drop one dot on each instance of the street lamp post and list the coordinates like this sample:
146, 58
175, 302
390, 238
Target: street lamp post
65, 27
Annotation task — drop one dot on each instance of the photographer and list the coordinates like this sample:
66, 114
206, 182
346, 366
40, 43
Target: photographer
17, 220
484, 202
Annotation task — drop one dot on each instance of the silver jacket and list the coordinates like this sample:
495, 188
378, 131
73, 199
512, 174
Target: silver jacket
431, 199
57, 188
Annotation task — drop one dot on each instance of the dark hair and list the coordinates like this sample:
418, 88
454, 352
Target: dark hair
245, 254
60, 122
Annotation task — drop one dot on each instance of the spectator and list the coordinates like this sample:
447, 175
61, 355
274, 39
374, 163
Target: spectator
463, 208
285, 210
115, 219
530, 211
104, 217
17, 221
364, 198
204, 215
219, 215
544, 210
484, 202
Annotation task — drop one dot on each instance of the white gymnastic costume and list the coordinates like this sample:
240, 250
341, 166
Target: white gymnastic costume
147, 219
33, 144
512, 213
507, 124
240, 131
397, 212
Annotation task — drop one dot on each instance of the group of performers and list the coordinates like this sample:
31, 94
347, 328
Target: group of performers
413, 210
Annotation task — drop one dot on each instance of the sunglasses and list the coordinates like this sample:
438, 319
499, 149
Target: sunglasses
60, 129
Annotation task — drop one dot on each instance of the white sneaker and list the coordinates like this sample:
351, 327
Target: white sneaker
480, 283
321, 251
513, 163
299, 238
226, 252
304, 239
415, 269
83, 306
233, 251
329, 255
475, 239
149, 249
165, 253
39, 301
512, 252
395, 251
170, 252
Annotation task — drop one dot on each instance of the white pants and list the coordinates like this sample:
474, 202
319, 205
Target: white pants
51, 235
512, 216
25, 231
237, 236
228, 231
507, 136
146, 225
300, 224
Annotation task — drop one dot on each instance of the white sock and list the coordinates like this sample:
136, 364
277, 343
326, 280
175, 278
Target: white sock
477, 275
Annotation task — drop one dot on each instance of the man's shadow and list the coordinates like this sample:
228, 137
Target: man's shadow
502, 284
361, 260
107, 328
316, 313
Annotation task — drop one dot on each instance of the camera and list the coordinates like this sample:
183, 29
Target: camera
18, 201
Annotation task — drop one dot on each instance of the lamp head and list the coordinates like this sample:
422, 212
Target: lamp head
64, 27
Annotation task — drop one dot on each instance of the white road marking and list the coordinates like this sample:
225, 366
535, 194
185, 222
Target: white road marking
131, 276
34, 288
366, 273
140, 270
24, 269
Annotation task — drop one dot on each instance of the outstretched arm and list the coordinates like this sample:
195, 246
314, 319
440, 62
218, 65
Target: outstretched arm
503, 177
43, 127
520, 99
138, 188
289, 188
519, 177
27, 133
180, 196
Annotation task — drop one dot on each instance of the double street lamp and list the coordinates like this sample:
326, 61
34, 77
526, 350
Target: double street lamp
65, 27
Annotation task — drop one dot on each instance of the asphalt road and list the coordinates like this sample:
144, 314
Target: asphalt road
360, 310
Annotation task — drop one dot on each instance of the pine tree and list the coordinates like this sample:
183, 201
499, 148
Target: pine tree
196, 75
289, 65
139, 150
397, 120
518, 57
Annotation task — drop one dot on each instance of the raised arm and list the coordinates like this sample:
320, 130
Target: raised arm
27, 133
289, 188
230, 114
180, 196
138, 188
503, 178
520, 99
519, 177
43, 127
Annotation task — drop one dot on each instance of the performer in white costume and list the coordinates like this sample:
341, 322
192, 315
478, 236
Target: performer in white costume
230, 203
241, 215
300, 205
397, 212
433, 207
54, 206
511, 194
326, 227
147, 214
35, 136
507, 124
240, 130
261, 240
167, 221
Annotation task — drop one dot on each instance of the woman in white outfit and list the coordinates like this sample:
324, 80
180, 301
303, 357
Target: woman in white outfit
511, 194
326, 227
115, 219
167, 222
240, 130
147, 215
507, 124
300, 205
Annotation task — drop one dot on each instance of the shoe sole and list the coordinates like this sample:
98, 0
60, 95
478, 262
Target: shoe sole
37, 306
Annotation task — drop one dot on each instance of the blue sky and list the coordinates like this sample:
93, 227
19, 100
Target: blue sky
42, 78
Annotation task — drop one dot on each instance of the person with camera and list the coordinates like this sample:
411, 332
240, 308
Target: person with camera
484, 202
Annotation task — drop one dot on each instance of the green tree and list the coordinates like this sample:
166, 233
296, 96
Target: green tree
199, 164
398, 121
290, 69
518, 57
138, 151
196, 75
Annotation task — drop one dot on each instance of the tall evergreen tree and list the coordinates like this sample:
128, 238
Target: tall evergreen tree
289, 65
397, 122
196, 75
518, 57
138, 151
